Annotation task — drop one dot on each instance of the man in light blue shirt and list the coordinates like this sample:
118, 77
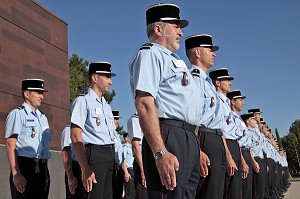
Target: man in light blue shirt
73, 182
119, 173
222, 82
136, 136
27, 137
237, 104
166, 100
201, 53
245, 144
127, 166
259, 179
93, 122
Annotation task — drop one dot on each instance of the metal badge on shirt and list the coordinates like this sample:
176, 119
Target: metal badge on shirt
98, 112
212, 101
33, 133
185, 79
228, 121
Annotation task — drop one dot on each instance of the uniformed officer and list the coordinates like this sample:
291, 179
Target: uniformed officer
27, 137
267, 156
237, 104
222, 82
119, 173
73, 182
92, 121
167, 104
257, 149
136, 136
245, 144
201, 53
127, 166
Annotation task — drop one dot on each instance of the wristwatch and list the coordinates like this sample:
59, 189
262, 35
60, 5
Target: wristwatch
157, 155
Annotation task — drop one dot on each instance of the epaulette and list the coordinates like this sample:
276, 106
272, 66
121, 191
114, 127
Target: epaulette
196, 73
20, 107
42, 112
146, 46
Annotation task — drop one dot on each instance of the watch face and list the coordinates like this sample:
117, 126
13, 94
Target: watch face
159, 154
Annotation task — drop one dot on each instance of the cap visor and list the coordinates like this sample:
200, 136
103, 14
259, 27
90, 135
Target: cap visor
183, 23
215, 48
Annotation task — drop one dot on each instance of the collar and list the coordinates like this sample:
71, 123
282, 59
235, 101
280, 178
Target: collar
165, 50
29, 110
93, 95
222, 96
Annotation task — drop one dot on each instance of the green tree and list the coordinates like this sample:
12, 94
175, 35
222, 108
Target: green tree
295, 129
292, 149
278, 139
79, 81
109, 96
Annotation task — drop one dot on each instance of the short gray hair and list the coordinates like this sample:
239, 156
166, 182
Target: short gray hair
150, 27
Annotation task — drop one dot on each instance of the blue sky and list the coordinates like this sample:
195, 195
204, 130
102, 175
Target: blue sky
259, 44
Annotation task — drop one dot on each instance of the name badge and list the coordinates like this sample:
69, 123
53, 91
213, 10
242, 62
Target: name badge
179, 63
98, 111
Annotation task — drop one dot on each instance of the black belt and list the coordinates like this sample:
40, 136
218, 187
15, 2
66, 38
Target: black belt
36, 160
209, 130
100, 146
245, 149
180, 124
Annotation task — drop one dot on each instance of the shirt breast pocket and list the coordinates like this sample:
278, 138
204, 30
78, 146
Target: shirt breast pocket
30, 130
97, 120
181, 79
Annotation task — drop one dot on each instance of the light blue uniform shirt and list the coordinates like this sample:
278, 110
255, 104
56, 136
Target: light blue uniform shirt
128, 155
277, 156
118, 149
87, 111
23, 122
266, 147
230, 129
161, 73
256, 143
211, 113
246, 140
65, 141
134, 129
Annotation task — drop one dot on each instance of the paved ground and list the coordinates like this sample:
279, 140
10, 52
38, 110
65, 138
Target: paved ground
293, 191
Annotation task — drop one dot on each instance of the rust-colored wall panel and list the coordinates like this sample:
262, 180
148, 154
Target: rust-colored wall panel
34, 44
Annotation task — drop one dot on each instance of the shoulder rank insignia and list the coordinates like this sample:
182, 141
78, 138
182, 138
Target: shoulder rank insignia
20, 107
146, 46
196, 73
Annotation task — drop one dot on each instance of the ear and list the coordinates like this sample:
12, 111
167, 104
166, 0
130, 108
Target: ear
94, 78
26, 94
197, 52
158, 30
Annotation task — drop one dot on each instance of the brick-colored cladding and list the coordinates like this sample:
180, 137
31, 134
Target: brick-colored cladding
34, 44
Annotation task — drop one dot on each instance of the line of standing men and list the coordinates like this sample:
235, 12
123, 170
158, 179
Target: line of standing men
191, 135
190, 147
